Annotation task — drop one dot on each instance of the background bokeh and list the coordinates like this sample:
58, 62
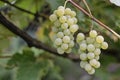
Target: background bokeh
19, 62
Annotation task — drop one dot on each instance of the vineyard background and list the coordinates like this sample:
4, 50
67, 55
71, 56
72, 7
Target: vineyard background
20, 62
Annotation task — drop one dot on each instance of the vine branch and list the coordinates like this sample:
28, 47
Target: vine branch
23, 10
94, 19
31, 42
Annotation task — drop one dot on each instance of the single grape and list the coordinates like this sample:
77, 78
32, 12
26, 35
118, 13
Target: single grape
67, 11
75, 20
97, 65
60, 12
64, 46
104, 45
73, 28
90, 40
99, 39
83, 56
54, 29
83, 46
64, 26
68, 50
73, 13
90, 47
58, 41
88, 67
63, 19
60, 50
97, 45
93, 62
70, 21
97, 57
90, 55
97, 51
80, 36
57, 23
67, 32
53, 17
66, 39
92, 71
93, 33
60, 34
71, 44
61, 7
83, 63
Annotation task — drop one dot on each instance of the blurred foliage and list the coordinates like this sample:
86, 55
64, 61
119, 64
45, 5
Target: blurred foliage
34, 64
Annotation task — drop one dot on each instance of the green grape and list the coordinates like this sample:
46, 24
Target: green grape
57, 23
73, 28
90, 47
75, 20
97, 65
54, 29
97, 57
90, 55
71, 37
68, 11
88, 67
83, 56
97, 45
97, 51
92, 71
60, 50
58, 41
64, 26
93, 33
66, 39
68, 50
63, 19
104, 45
83, 63
83, 46
93, 62
64, 46
71, 44
61, 7
73, 13
60, 12
60, 34
99, 39
66, 32
53, 17
70, 21
80, 36
90, 40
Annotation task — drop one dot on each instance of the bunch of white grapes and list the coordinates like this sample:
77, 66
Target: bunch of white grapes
90, 49
64, 26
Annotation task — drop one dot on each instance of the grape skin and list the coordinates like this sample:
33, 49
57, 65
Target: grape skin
90, 47
99, 39
66, 39
83, 56
93, 33
58, 41
90, 55
104, 45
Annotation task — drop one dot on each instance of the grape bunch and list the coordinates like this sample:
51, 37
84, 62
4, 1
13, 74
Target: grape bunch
90, 50
64, 26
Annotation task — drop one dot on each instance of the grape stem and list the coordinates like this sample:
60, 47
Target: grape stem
84, 1
94, 19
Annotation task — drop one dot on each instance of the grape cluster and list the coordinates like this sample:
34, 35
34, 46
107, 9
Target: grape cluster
90, 49
64, 27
